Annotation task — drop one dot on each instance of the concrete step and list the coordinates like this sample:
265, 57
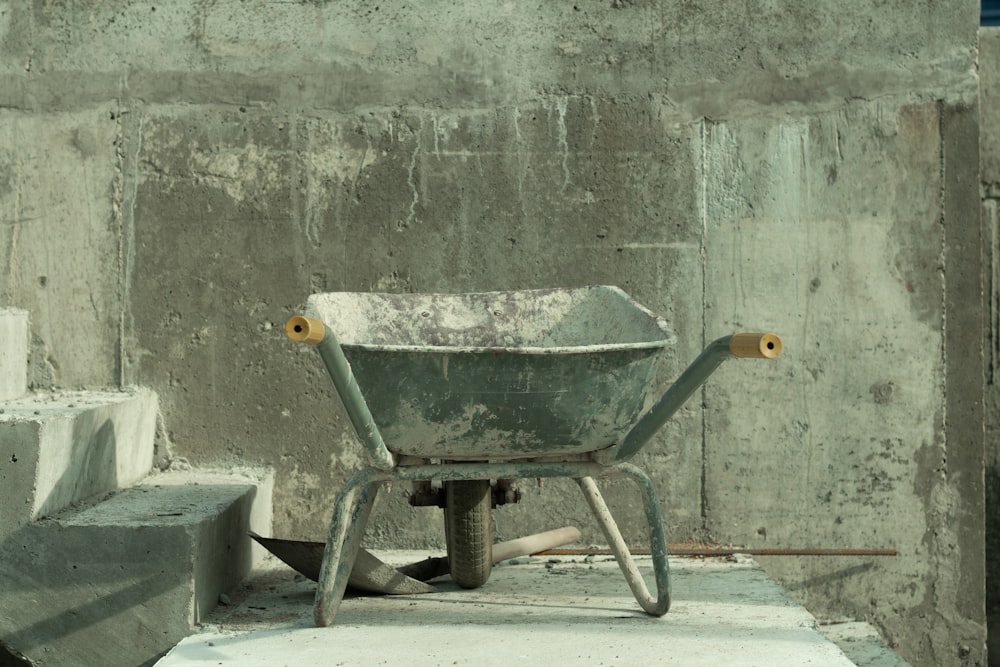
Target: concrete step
57, 449
13, 353
120, 582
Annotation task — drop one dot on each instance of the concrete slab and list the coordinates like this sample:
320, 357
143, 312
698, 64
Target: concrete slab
13, 353
57, 449
532, 611
120, 582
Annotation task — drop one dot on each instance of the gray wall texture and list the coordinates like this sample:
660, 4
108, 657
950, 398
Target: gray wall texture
176, 178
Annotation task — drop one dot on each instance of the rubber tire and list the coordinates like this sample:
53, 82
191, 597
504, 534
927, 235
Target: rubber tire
469, 531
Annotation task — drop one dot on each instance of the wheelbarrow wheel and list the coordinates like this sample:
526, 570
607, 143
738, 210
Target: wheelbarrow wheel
469, 531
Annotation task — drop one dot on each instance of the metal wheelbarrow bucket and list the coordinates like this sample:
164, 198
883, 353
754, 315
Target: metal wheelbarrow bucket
463, 393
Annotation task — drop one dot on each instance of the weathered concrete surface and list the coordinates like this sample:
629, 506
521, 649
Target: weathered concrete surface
721, 164
989, 161
862, 644
60, 239
715, 59
159, 554
561, 611
13, 353
871, 428
57, 449
306, 237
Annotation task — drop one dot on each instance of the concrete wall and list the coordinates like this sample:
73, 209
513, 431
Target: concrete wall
176, 178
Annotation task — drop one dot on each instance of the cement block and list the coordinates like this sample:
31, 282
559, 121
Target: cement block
13, 353
119, 582
59, 449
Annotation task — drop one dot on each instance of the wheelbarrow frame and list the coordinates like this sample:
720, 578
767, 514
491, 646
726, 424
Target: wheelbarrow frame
356, 499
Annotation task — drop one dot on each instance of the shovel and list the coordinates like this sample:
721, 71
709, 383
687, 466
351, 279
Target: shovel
371, 575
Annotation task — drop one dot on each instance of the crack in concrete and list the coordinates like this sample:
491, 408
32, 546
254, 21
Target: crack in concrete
703, 176
125, 188
410, 180
561, 105
15, 232
522, 165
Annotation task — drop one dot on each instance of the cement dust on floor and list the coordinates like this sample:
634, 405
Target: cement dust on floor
540, 610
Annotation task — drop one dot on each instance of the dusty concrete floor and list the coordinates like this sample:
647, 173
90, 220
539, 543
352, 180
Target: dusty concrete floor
537, 610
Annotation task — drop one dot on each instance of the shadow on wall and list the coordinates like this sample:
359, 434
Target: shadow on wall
91, 465
831, 578
992, 566
9, 658
989, 13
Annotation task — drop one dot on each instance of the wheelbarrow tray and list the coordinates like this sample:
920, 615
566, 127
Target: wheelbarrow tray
498, 375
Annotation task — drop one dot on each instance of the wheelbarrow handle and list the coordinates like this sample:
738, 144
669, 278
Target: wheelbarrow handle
740, 345
311, 331
755, 345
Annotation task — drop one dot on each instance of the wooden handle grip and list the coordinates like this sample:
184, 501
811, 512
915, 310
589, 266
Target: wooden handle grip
303, 329
755, 345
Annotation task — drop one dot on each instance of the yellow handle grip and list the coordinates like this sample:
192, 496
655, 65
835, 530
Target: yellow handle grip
303, 329
755, 345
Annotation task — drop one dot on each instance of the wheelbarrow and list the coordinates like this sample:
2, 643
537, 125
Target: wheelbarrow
461, 394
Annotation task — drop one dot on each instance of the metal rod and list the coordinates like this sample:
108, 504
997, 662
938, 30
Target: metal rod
693, 377
655, 606
680, 550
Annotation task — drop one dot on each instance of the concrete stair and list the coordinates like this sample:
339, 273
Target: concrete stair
102, 560
57, 449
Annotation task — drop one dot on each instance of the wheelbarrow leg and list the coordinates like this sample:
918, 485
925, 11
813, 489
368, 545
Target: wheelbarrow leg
350, 515
655, 606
